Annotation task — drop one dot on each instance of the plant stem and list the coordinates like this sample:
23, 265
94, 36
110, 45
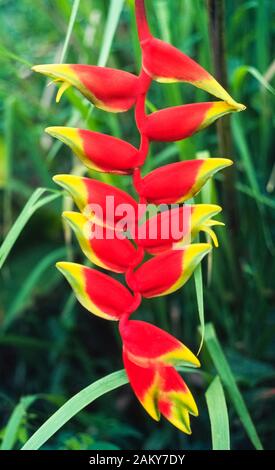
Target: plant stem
142, 24
216, 16
217, 35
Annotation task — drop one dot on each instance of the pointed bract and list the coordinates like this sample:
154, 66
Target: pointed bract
105, 204
90, 287
180, 122
178, 182
161, 232
109, 89
103, 247
97, 151
169, 271
149, 345
161, 390
167, 64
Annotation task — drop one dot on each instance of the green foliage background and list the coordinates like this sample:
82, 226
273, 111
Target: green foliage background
50, 347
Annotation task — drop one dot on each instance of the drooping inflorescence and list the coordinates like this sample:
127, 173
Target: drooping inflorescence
111, 226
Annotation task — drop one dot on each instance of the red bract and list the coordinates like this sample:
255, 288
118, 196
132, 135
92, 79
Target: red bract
102, 202
102, 246
90, 287
167, 64
151, 345
107, 213
178, 182
98, 151
172, 227
149, 355
180, 122
108, 89
167, 272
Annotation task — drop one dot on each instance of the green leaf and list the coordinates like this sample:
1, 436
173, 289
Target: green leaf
241, 72
230, 384
25, 292
218, 415
34, 203
14, 422
114, 13
69, 30
200, 302
73, 406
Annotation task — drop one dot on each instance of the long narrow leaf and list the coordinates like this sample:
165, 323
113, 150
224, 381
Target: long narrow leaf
110, 29
200, 302
114, 13
73, 406
230, 384
25, 292
69, 30
34, 203
218, 415
14, 422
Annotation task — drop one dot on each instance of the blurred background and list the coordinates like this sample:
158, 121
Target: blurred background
50, 346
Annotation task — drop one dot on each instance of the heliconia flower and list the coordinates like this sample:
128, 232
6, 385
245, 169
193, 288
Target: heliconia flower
167, 64
180, 122
107, 251
149, 355
97, 151
181, 225
178, 182
168, 271
97, 292
109, 89
100, 201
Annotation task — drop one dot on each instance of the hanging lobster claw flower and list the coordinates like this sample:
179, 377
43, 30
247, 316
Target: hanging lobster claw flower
180, 122
167, 272
105, 204
179, 225
98, 293
108, 89
100, 245
167, 64
98, 151
178, 182
149, 355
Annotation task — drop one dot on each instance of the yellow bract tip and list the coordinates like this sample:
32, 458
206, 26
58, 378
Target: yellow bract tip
212, 165
76, 219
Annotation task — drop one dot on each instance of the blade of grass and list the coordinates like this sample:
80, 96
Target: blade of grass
251, 175
267, 201
25, 292
74, 406
114, 13
200, 302
9, 126
4, 52
218, 415
12, 427
32, 205
227, 377
69, 30
241, 72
